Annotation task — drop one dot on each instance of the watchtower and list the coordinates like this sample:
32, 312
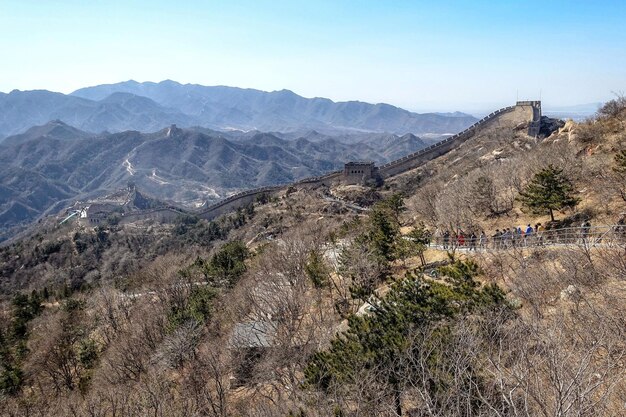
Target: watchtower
358, 172
535, 124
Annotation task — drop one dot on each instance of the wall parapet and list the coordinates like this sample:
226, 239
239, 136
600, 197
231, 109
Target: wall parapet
465, 134
528, 103
386, 170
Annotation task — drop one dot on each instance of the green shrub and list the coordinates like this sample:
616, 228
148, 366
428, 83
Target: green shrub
197, 307
227, 265
317, 270
87, 353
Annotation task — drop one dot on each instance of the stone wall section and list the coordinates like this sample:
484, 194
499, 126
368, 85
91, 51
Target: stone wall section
161, 215
522, 112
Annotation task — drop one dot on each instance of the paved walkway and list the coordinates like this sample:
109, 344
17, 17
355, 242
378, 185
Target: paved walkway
608, 236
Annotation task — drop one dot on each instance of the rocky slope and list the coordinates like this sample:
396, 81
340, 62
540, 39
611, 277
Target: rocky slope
230, 317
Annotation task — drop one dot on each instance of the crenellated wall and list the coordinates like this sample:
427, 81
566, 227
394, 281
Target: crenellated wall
232, 203
236, 201
422, 156
162, 215
246, 197
522, 112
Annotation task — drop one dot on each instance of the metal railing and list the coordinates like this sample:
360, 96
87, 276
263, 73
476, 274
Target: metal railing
596, 236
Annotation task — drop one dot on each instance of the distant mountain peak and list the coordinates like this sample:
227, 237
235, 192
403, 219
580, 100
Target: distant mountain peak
54, 129
169, 82
452, 114
130, 82
149, 107
285, 92
121, 97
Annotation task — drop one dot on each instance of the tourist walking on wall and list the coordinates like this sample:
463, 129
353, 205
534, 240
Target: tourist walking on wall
460, 238
482, 242
507, 238
585, 228
620, 227
472, 240
528, 235
539, 233
519, 235
497, 239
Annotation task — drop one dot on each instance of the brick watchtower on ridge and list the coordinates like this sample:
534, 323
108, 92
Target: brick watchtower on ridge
535, 124
359, 172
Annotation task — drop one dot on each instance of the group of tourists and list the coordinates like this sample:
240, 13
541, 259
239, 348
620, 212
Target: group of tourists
516, 236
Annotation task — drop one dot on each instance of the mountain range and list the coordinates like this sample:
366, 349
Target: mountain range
55, 164
148, 107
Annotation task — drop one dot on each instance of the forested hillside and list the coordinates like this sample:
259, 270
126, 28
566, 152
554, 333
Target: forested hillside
345, 301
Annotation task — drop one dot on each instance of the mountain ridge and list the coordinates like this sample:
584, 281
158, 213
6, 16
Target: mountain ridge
21, 110
280, 110
43, 167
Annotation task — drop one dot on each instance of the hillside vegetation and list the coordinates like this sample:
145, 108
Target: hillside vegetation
303, 306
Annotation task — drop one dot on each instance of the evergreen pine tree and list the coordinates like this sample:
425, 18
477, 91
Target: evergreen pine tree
384, 227
316, 269
549, 190
420, 238
382, 234
228, 264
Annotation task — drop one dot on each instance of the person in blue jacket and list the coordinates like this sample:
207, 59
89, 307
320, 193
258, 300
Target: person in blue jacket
528, 235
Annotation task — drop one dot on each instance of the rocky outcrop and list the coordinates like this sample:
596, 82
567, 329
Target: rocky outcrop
549, 125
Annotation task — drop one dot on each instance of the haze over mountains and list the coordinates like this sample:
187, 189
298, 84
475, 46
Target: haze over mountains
148, 107
576, 112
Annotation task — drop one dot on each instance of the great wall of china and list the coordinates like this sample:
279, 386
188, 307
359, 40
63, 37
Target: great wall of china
522, 112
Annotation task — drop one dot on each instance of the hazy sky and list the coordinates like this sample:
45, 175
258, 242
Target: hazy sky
435, 55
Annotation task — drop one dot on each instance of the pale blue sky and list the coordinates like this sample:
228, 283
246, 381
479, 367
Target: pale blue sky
438, 55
